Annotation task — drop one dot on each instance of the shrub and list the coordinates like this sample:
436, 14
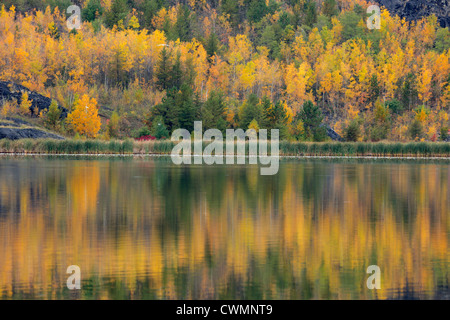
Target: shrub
380, 122
159, 129
52, 116
416, 130
444, 133
8, 109
142, 132
112, 126
353, 131
312, 117
395, 106
146, 138
25, 104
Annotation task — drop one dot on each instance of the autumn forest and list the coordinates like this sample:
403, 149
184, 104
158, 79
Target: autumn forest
147, 67
90, 98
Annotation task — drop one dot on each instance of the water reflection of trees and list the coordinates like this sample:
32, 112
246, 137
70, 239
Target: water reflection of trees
146, 229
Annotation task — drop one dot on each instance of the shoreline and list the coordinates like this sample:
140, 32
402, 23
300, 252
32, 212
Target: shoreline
372, 150
156, 155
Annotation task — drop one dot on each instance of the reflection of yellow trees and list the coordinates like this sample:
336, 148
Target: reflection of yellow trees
83, 185
316, 225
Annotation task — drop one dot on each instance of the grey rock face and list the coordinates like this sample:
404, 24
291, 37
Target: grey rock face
23, 133
10, 91
333, 135
416, 9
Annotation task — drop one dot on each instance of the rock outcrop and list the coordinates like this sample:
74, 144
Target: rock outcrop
10, 91
333, 135
416, 9
14, 129
23, 133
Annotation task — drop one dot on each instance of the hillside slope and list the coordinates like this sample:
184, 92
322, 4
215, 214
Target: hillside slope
416, 9
14, 129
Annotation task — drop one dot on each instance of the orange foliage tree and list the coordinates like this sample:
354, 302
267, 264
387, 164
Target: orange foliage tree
84, 118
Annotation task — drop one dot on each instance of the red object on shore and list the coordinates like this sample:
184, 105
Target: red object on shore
146, 138
434, 138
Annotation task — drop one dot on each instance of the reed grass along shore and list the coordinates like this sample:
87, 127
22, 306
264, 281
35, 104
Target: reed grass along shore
287, 148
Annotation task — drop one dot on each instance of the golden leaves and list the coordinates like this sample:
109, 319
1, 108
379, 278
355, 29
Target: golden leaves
84, 118
308, 64
240, 49
25, 104
298, 83
424, 83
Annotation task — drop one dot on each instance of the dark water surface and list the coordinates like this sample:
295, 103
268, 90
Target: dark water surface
143, 228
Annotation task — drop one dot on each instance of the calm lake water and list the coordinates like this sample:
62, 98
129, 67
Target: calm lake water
143, 228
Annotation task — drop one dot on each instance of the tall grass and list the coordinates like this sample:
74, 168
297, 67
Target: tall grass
153, 147
287, 148
50, 146
379, 149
